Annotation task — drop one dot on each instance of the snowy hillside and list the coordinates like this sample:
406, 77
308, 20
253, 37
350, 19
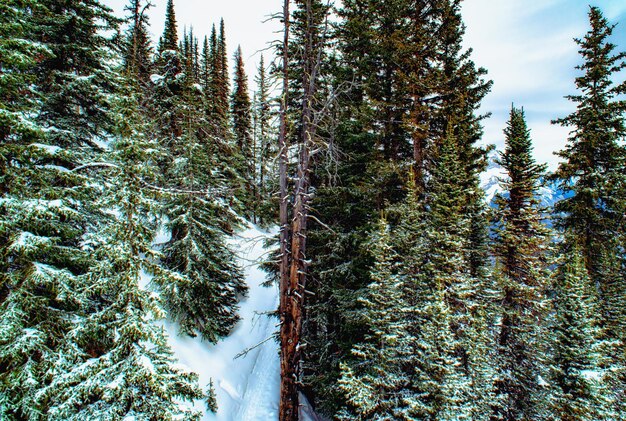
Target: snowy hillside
246, 387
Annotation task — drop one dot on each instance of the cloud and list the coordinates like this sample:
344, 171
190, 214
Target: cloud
529, 51
245, 20
527, 47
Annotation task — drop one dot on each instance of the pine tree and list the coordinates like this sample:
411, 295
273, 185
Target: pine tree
48, 190
592, 178
576, 376
459, 90
266, 150
169, 39
137, 50
393, 103
117, 362
25, 234
204, 298
241, 111
205, 67
213, 55
593, 164
221, 84
447, 264
521, 271
347, 201
375, 381
410, 375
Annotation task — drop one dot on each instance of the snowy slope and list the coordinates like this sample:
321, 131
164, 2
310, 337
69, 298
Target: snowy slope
490, 178
246, 387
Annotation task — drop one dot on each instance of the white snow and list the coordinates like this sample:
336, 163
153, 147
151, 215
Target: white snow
594, 375
51, 149
154, 78
490, 179
54, 167
247, 388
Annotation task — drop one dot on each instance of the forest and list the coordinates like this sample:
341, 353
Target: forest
405, 288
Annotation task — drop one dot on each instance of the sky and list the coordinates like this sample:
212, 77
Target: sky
526, 46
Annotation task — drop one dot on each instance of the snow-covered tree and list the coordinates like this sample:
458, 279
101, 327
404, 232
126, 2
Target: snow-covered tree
592, 175
116, 362
375, 380
576, 376
55, 112
521, 250
447, 264
593, 165
241, 111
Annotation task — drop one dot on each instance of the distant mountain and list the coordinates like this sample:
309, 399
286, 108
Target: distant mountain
549, 193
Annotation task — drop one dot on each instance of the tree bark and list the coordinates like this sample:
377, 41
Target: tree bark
293, 281
288, 406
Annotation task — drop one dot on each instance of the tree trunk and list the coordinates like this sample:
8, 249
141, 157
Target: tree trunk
288, 407
293, 282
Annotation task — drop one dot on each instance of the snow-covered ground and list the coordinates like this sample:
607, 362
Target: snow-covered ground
246, 387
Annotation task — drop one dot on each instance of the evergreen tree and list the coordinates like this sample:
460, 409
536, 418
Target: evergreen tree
266, 150
347, 201
393, 103
459, 90
591, 173
213, 56
376, 381
59, 57
521, 271
221, 85
137, 50
27, 222
169, 39
447, 264
411, 375
205, 68
117, 363
577, 389
241, 111
203, 299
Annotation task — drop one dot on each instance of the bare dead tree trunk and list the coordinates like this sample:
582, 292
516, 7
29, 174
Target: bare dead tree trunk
294, 291
288, 407
294, 272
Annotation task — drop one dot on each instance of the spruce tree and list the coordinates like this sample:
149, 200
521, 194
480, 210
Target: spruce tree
422, 350
447, 264
591, 173
375, 380
203, 298
576, 377
137, 50
241, 111
169, 39
205, 67
28, 223
48, 189
196, 182
116, 363
347, 201
459, 89
393, 103
520, 247
221, 85
266, 150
